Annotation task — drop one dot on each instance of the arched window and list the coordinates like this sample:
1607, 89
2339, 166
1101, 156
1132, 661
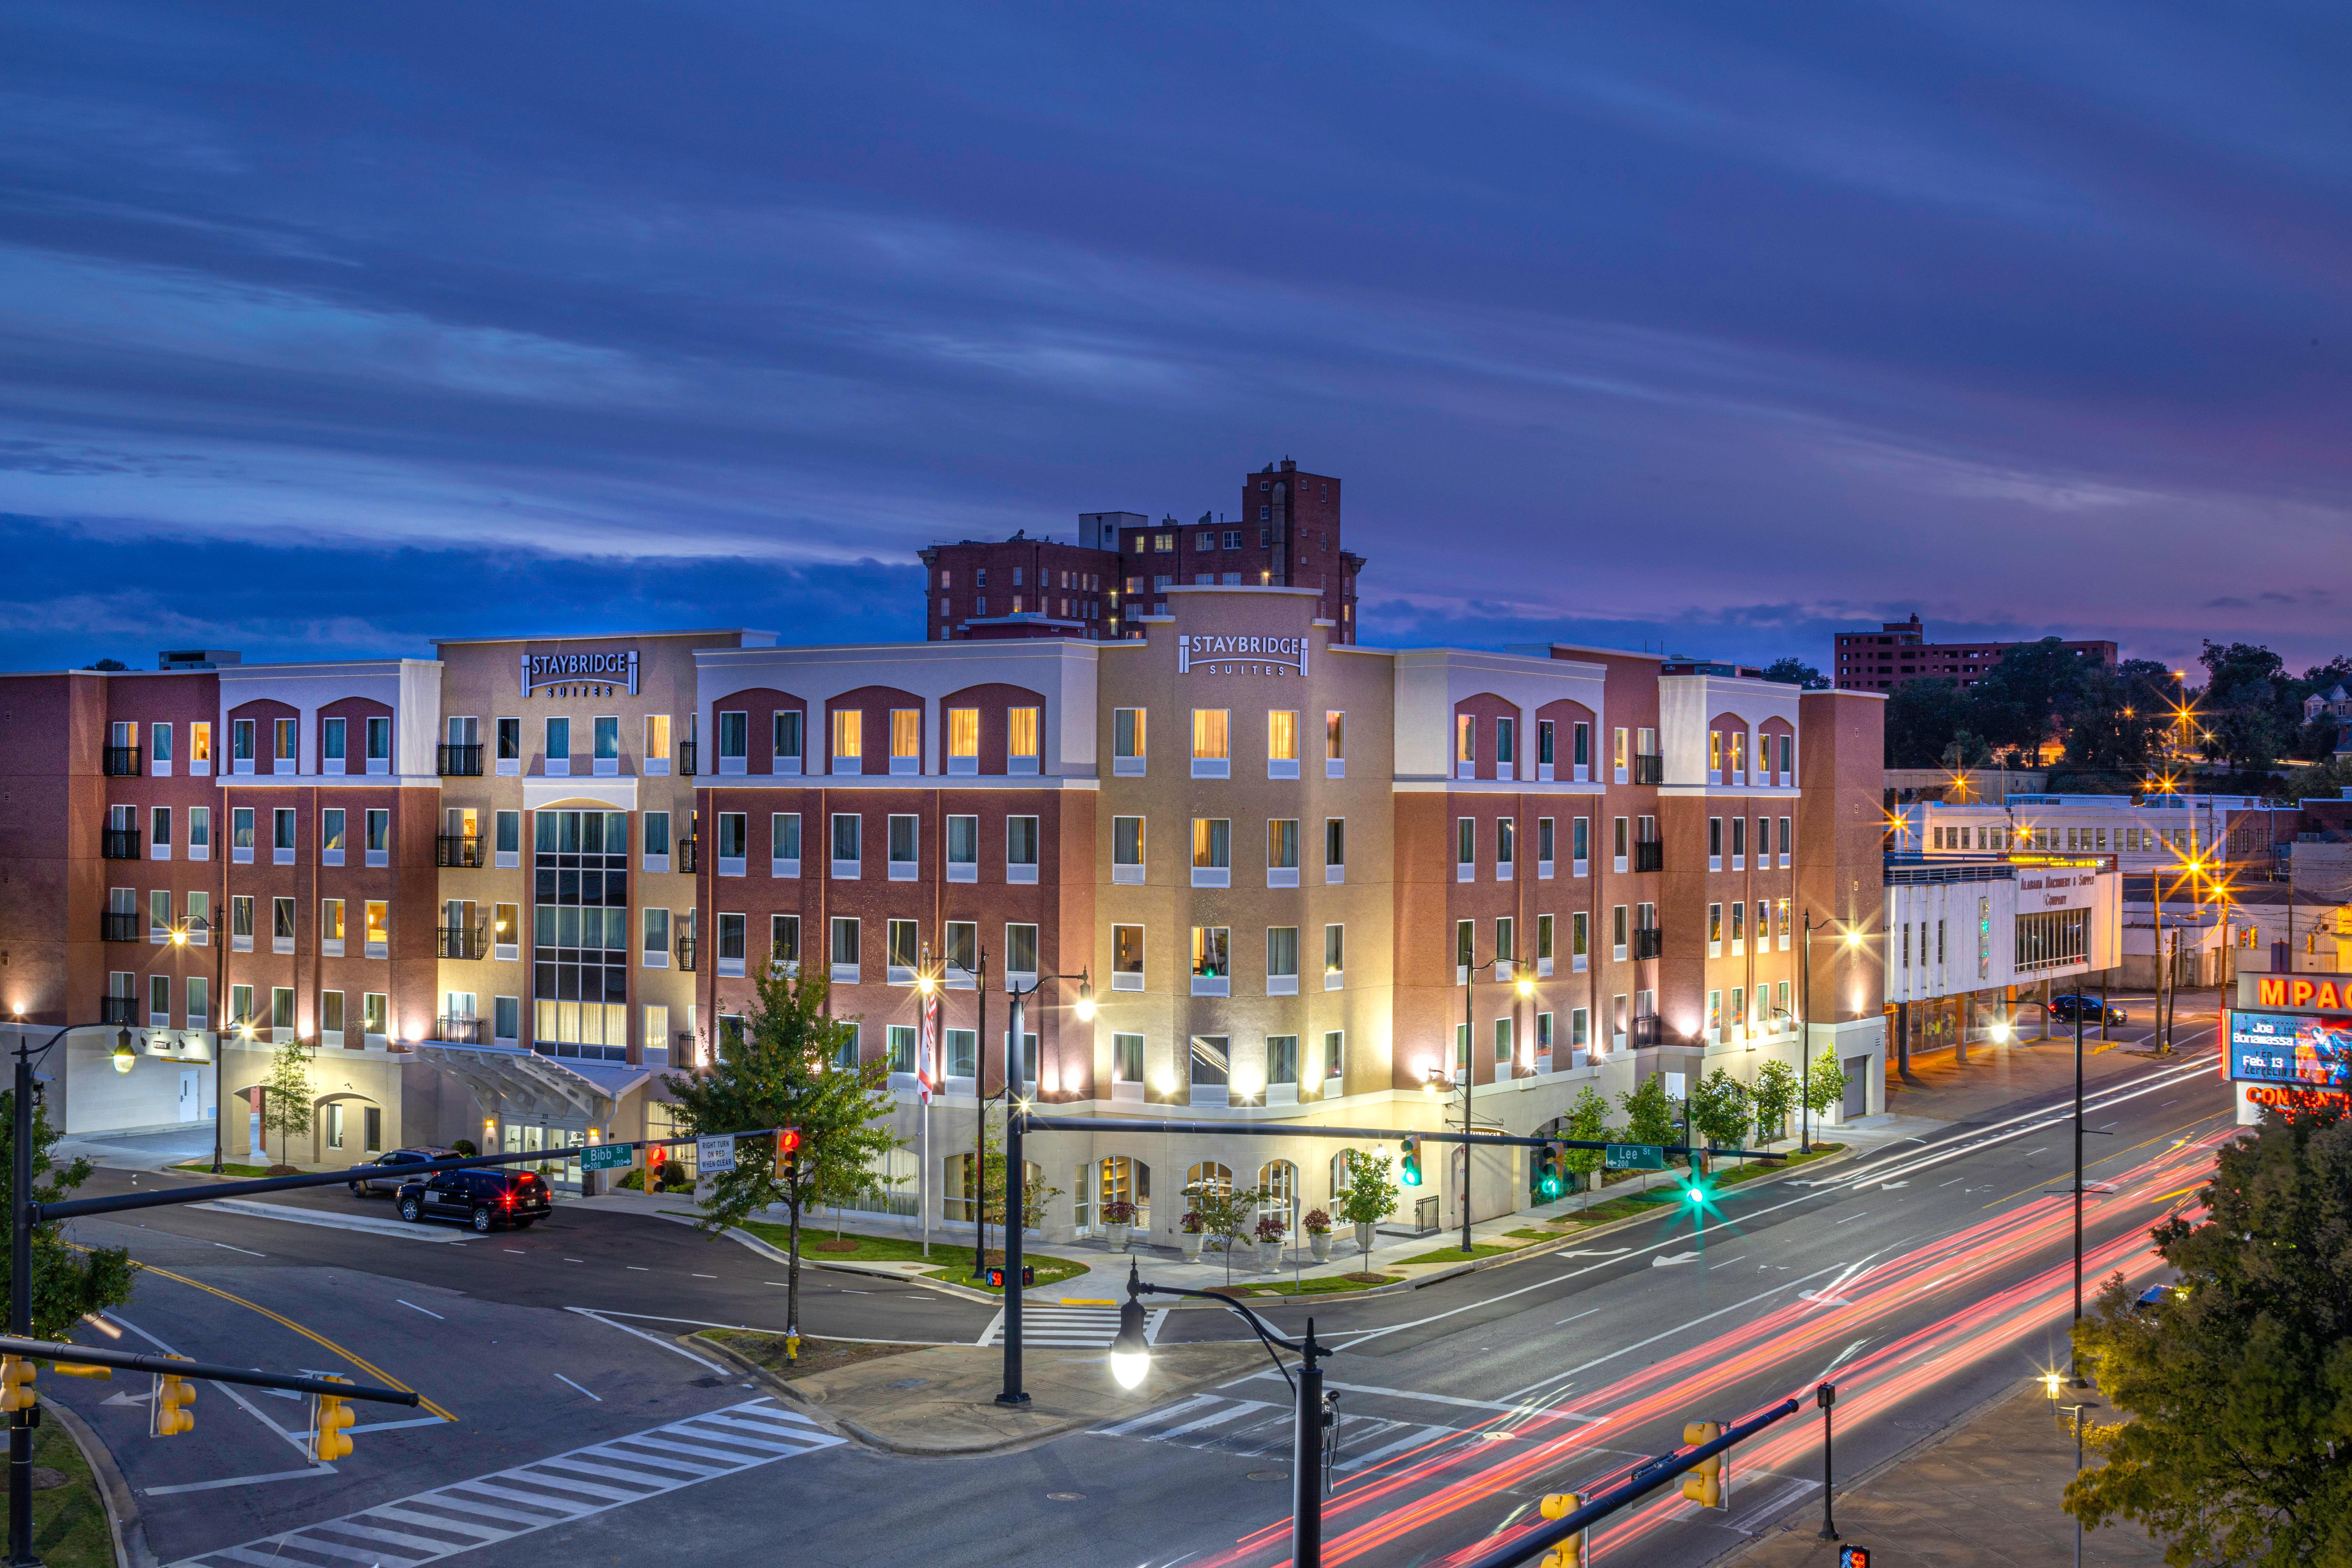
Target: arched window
1119, 1179
1342, 1164
1210, 1176
1277, 1181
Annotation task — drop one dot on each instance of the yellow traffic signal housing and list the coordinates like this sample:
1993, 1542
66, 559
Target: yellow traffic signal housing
329, 1420
16, 1384
170, 1415
1569, 1553
1409, 1161
1707, 1484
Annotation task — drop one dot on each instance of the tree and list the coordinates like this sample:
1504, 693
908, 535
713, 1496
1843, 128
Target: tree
1035, 1196
2121, 715
1790, 670
1588, 1122
1225, 1212
2249, 706
2029, 695
1718, 1110
784, 1071
1825, 1085
1775, 1097
1649, 1114
2240, 1380
68, 1282
1368, 1196
1922, 718
286, 1104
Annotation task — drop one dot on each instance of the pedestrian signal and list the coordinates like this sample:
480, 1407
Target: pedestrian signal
1853, 1557
1707, 1483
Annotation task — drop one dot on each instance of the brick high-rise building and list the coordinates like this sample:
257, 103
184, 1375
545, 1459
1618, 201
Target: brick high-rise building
1899, 651
1287, 535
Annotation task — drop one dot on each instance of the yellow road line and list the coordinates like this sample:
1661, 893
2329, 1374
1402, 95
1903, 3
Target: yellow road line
362, 1363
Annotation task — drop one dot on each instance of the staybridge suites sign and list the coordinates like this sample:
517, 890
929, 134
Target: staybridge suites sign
1241, 655
611, 670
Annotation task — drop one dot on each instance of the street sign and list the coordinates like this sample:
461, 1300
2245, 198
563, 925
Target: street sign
1634, 1157
713, 1155
607, 1157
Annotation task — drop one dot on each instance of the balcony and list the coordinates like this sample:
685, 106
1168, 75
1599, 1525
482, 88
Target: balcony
1648, 941
120, 844
1649, 769
686, 953
119, 925
117, 1009
465, 942
1650, 1031
686, 756
457, 762
1649, 855
685, 858
458, 848
458, 1031
121, 761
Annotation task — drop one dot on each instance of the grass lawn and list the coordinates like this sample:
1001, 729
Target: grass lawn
1456, 1253
816, 1355
69, 1521
227, 1170
1728, 1173
956, 1262
1328, 1284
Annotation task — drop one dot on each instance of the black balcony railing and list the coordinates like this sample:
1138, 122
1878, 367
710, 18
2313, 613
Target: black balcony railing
1650, 1031
459, 761
685, 861
1649, 769
1649, 855
685, 953
119, 925
464, 942
1648, 941
122, 762
458, 1031
117, 1009
686, 755
458, 849
120, 844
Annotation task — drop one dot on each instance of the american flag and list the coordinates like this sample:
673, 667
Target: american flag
927, 1052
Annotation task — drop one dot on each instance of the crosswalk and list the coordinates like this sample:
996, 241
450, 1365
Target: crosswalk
499, 1507
1257, 1428
1070, 1327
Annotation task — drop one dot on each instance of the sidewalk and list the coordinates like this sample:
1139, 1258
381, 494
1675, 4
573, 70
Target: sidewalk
1985, 1493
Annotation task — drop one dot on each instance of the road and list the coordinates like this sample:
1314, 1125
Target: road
1923, 1277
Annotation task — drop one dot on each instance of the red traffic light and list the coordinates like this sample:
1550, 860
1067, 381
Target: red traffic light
788, 1140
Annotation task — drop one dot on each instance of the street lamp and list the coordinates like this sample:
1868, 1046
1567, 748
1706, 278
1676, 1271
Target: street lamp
1316, 1413
1015, 1199
1525, 987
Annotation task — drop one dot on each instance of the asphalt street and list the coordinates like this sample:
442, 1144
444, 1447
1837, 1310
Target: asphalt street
1924, 1277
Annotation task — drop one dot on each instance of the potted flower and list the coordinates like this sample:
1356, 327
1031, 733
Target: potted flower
1191, 1233
1270, 1232
1119, 1221
1319, 1233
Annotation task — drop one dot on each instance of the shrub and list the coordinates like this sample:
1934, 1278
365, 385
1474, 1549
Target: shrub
1118, 1211
1270, 1227
1191, 1223
464, 1146
1318, 1223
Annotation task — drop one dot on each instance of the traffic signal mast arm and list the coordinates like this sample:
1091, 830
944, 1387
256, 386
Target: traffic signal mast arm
28, 1350
1034, 1123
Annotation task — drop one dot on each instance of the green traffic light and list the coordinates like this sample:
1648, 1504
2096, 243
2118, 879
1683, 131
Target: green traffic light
1551, 1186
1695, 1195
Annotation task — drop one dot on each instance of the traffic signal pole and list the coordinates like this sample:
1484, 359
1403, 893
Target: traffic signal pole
20, 1310
1015, 1201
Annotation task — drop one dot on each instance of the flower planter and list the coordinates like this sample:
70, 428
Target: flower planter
1192, 1240
1363, 1238
1117, 1235
1319, 1243
1269, 1255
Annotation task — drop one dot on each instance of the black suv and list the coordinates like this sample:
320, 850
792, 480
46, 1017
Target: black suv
484, 1199
387, 1173
2090, 1008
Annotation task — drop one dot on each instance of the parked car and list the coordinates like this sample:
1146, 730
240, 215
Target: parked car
483, 1199
2090, 1008
384, 1174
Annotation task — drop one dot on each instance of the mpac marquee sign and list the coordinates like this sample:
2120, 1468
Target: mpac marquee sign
2298, 1050
1241, 655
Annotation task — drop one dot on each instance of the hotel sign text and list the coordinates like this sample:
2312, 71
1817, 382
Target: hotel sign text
611, 669
1241, 655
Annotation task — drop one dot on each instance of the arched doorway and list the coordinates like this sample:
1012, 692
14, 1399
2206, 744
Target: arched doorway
1277, 1181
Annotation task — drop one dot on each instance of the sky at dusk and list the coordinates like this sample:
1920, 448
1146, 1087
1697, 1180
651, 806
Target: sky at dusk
332, 329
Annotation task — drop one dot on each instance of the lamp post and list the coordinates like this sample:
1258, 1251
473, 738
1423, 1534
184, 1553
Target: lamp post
1526, 987
2071, 1362
1316, 1413
1015, 1174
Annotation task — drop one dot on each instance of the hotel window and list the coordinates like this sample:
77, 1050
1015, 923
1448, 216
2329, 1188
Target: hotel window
1580, 843
1127, 850
1620, 754
963, 848
375, 916
1507, 938
1738, 840
284, 744
200, 1002
510, 746
1714, 844
1281, 744
655, 924
1126, 958
558, 747
506, 930
240, 922
903, 838
1021, 953
784, 941
1209, 953
959, 952
1022, 750
240, 1005
906, 740
1021, 849
1506, 848
240, 744
848, 846
158, 827
281, 1013
281, 842
656, 755
848, 739
1465, 847
1127, 743
1466, 741
1506, 744
379, 745
1281, 852
734, 944
1582, 757
1580, 941
1617, 925
734, 742
732, 849
963, 740
1282, 961
159, 915
1544, 748
1619, 839
200, 748
379, 837
1784, 839
1466, 942
1335, 849
607, 742
1739, 927
330, 836
1787, 754
331, 750
330, 927
580, 934
1211, 755
1543, 944
1739, 755
1715, 930
784, 844
1211, 852
786, 742
1334, 955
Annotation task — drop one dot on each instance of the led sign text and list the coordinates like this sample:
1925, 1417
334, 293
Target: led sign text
1241, 655
553, 669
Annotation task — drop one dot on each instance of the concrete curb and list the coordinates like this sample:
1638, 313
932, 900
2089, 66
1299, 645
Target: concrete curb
775, 1254
121, 1505
695, 1342
329, 1220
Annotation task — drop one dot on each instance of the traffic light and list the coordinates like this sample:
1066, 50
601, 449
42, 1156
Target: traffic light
330, 1416
788, 1149
170, 1415
1569, 1553
1707, 1484
1409, 1159
1550, 1183
1853, 1557
16, 1384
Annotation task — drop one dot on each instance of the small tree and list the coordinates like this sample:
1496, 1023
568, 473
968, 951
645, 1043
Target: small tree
286, 1107
1718, 1110
1826, 1084
1225, 1212
784, 1071
68, 1282
1774, 1096
1588, 1122
994, 1186
1368, 1196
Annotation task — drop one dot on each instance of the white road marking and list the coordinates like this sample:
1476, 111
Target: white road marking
649, 1338
1518, 1394
1586, 1313
415, 1308
1852, 1217
1728, 1262
597, 1397
247, 1250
